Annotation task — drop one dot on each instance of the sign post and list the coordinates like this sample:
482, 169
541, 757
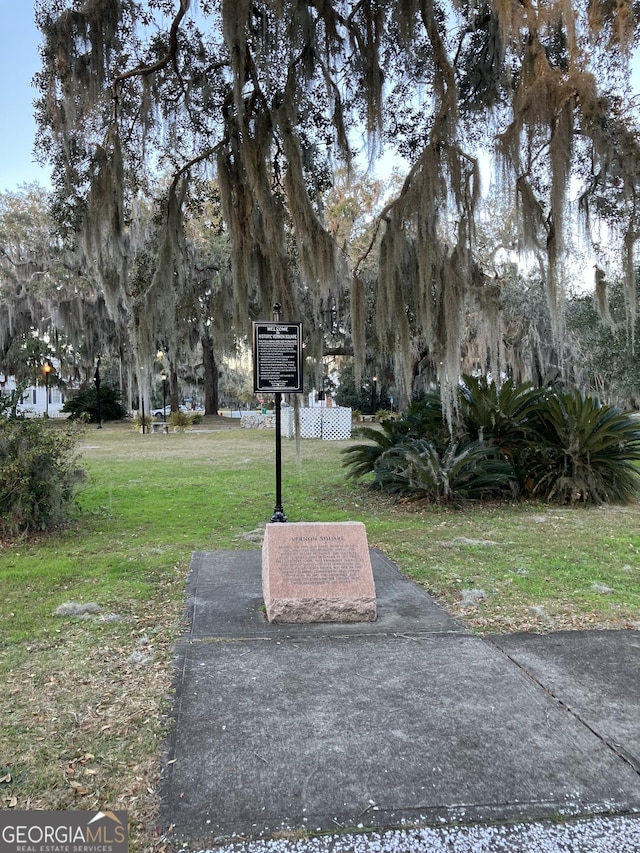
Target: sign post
277, 368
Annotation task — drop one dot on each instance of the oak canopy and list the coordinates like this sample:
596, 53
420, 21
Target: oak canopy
268, 97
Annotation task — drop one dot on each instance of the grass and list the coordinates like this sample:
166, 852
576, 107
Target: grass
88, 697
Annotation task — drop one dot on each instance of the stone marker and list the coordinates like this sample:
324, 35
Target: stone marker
317, 572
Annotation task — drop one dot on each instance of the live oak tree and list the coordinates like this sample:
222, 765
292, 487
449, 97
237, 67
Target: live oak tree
603, 348
48, 306
268, 95
202, 305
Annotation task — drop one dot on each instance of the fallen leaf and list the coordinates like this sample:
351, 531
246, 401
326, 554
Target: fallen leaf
6, 778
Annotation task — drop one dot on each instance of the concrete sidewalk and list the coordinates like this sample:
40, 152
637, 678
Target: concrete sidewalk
406, 719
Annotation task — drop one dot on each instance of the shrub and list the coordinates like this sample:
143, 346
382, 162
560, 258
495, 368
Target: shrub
500, 415
180, 420
588, 452
423, 420
361, 458
508, 417
551, 444
416, 469
38, 475
85, 405
386, 415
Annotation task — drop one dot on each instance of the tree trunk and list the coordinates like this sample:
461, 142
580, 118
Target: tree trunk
174, 400
210, 375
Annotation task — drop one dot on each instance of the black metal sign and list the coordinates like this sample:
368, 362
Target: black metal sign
277, 358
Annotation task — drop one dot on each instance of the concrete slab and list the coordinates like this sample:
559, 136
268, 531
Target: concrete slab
595, 674
327, 726
224, 599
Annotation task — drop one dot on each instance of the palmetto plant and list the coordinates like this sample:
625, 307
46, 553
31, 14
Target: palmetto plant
423, 420
502, 415
558, 445
587, 452
361, 459
417, 469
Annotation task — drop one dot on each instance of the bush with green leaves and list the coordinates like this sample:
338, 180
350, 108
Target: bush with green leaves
507, 417
416, 469
138, 422
180, 421
501, 415
423, 420
553, 444
84, 405
39, 476
587, 452
360, 459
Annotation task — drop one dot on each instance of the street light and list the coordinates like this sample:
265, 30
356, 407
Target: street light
374, 383
47, 367
163, 376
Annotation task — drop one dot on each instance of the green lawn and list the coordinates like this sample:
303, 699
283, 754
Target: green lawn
89, 697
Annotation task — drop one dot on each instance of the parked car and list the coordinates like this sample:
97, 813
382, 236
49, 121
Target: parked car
159, 413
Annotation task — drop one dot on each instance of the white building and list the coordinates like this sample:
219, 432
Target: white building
34, 399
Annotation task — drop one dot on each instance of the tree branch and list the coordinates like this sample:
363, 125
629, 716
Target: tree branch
209, 152
145, 70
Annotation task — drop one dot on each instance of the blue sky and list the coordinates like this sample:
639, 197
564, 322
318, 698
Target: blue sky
19, 60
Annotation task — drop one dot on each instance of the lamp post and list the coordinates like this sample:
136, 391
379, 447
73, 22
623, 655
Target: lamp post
47, 367
374, 383
163, 376
141, 390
